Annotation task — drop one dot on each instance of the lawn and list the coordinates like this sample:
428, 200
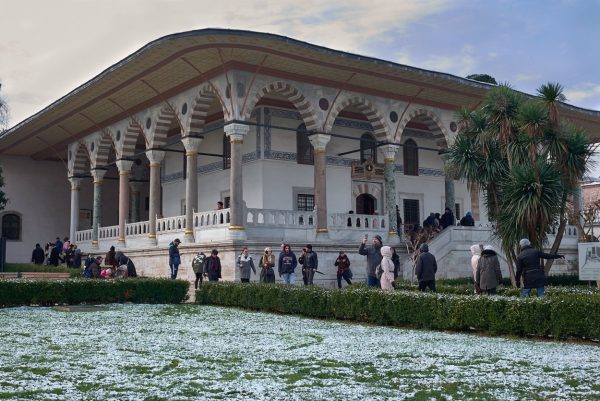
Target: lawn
190, 352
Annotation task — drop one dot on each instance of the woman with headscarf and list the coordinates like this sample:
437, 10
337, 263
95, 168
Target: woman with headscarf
476, 254
266, 264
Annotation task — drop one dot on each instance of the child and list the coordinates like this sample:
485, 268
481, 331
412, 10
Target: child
343, 269
387, 278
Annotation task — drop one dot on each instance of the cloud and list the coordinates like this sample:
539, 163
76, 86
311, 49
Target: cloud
527, 77
462, 64
583, 92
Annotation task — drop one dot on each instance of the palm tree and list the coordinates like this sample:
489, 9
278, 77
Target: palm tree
527, 163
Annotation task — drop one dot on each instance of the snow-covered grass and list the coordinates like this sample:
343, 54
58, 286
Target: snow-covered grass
191, 352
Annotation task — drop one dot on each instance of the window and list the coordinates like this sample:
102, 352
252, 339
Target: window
226, 202
411, 158
11, 226
368, 150
306, 202
304, 149
226, 152
411, 211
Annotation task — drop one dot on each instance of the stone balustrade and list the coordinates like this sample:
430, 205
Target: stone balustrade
108, 232
136, 229
279, 218
83, 236
367, 222
170, 224
212, 218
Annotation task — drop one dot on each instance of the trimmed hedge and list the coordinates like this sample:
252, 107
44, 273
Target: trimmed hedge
30, 267
569, 315
75, 291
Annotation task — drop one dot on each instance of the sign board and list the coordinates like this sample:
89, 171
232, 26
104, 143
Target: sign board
589, 260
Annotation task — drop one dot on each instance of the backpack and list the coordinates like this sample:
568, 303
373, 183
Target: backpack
88, 262
198, 262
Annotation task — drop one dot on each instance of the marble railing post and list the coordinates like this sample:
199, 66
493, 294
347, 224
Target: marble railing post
236, 133
124, 167
389, 158
98, 175
319, 143
154, 157
192, 147
75, 185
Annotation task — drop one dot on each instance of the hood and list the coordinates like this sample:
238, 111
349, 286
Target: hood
386, 251
475, 249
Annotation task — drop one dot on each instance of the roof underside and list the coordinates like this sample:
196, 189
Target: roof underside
177, 62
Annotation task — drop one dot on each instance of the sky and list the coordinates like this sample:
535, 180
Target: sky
50, 47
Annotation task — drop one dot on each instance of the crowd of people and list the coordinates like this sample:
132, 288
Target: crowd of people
56, 253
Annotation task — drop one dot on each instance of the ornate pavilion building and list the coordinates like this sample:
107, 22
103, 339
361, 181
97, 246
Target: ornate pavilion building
301, 143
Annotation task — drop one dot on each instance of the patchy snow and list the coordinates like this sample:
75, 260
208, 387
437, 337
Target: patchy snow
190, 352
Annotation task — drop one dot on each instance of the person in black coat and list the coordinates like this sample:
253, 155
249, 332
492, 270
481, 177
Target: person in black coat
530, 267
425, 269
467, 220
212, 267
447, 219
37, 256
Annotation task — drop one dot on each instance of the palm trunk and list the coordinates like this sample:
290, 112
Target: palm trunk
559, 234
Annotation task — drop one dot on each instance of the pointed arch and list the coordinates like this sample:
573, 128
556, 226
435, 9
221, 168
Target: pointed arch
103, 146
132, 132
380, 127
292, 94
79, 157
433, 122
165, 119
202, 102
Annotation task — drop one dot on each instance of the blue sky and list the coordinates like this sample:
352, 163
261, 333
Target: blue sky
50, 47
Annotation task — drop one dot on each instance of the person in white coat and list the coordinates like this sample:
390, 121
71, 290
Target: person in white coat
387, 265
476, 254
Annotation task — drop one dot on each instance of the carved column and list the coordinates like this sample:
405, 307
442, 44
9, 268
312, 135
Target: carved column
319, 143
75, 185
389, 158
134, 211
192, 147
236, 134
154, 157
98, 175
124, 167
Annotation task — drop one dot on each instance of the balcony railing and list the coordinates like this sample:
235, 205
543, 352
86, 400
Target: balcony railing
279, 218
365, 222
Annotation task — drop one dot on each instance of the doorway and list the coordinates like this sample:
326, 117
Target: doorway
366, 204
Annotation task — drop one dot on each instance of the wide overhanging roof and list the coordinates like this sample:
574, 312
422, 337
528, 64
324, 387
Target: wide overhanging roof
177, 62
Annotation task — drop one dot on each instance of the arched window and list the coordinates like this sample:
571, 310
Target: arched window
411, 158
11, 226
368, 150
226, 152
304, 149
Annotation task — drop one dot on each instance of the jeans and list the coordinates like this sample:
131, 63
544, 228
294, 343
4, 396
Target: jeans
174, 268
198, 279
427, 283
525, 292
373, 282
346, 277
289, 278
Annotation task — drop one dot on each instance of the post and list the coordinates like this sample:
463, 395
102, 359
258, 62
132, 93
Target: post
98, 175
75, 185
389, 158
319, 143
192, 147
124, 167
236, 133
154, 157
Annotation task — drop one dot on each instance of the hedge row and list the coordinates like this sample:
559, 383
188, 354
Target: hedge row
75, 291
556, 280
30, 267
570, 315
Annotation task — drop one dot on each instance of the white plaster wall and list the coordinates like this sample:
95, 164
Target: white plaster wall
40, 192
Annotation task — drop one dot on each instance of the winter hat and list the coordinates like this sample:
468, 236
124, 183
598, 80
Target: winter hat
378, 238
489, 248
524, 242
424, 248
469, 214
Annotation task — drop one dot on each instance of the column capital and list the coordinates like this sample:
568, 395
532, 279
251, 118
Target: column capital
155, 156
75, 183
191, 144
124, 166
236, 132
389, 152
319, 141
98, 174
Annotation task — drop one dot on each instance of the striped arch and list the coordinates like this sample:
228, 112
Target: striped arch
78, 156
130, 136
102, 149
206, 96
165, 118
433, 122
292, 94
380, 128
370, 188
